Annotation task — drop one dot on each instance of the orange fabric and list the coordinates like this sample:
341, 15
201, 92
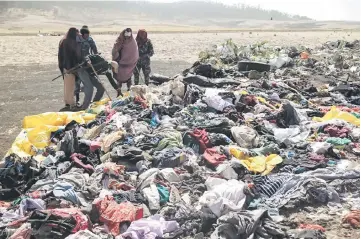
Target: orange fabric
112, 214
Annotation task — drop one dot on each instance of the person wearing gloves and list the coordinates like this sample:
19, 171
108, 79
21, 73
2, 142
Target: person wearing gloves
125, 53
145, 49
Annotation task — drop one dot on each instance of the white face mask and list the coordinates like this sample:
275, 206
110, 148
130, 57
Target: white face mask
127, 34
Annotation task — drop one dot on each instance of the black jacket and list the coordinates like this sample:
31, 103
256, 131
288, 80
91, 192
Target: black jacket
69, 54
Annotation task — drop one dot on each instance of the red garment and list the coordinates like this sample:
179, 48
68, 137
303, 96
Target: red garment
317, 157
142, 101
202, 138
337, 131
112, 214
312, 227
213, 157
82, 222
76, 159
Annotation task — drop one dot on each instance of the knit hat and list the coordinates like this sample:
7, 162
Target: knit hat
84, 30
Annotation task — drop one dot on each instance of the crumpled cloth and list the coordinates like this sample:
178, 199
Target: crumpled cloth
223, 196
66, 191
262, 164
213, 157
336, 131
245, 136
216, 102
82, 221
313, 227
112, 214
353, 218
23, 232
303, 188
29, 203
110, 139
246, 224
171, 139
85, 234
150, 228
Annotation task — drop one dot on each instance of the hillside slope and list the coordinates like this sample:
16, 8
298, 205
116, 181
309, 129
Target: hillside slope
54, 17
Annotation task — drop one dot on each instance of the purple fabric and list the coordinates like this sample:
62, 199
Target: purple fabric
29, 203
128, 59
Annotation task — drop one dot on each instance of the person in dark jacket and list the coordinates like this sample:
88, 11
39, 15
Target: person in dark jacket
146, 51
89, 81
68, 57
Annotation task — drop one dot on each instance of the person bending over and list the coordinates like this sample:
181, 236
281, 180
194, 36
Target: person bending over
89, 80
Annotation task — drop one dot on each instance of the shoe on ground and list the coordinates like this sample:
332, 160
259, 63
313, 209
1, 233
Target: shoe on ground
76, 108
64, 109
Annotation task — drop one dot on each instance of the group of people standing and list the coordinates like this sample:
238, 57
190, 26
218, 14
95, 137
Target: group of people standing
129, 57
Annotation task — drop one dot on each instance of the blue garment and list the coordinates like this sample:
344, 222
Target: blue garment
163, 193
65, 190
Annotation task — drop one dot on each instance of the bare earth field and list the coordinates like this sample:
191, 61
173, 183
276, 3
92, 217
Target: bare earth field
28, 63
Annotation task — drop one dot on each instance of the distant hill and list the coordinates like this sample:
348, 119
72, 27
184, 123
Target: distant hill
109, 16
162, 11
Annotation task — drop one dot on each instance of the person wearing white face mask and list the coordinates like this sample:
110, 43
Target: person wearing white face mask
125, 53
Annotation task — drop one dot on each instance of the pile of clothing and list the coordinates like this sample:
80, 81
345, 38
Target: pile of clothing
222, 151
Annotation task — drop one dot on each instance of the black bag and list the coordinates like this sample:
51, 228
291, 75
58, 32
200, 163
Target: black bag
100, 65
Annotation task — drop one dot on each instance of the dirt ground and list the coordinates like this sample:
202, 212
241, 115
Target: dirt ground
28, 63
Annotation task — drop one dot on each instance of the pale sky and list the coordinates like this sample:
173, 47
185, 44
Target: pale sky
346, 10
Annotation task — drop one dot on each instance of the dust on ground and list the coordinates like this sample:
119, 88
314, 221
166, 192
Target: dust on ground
28, 63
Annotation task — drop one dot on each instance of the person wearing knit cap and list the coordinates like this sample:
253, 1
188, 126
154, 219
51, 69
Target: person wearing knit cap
89, 81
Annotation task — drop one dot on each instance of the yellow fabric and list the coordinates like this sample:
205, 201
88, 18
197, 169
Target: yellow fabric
56, 119
109, 139
239, 153
96, 109
260, 99
101, 102
22, 147
335, 113
37, 130
262, 164
40, 136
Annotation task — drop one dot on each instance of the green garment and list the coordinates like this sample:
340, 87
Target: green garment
338, 141
163, 193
